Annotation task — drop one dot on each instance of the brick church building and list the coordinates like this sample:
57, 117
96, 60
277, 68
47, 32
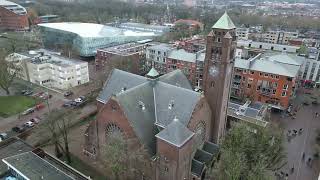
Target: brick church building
178, 127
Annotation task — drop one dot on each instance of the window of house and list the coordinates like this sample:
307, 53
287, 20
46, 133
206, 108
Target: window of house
218, 39
284, 93
244, 71
272, 47
249, 86
284, 49
260, 74
285, 87
266, 75
249, 45
260, 46
212, 84
252, 72
277, 77
274, 91
258, 88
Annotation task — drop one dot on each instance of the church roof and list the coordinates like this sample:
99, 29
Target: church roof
224, 22
175, 133
150, 104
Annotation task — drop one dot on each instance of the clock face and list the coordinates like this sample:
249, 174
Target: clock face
213, 71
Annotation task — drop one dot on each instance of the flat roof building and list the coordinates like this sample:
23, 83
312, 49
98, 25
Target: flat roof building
49, 69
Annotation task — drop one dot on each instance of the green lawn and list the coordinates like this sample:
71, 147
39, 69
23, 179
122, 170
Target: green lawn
10, 105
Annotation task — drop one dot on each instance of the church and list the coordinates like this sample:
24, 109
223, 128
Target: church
180, 129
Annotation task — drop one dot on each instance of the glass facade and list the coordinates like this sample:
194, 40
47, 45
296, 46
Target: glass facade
87, 46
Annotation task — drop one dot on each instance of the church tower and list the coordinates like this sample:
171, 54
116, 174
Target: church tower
219, 59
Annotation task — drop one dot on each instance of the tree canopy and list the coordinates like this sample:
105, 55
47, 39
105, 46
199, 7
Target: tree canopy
250, 153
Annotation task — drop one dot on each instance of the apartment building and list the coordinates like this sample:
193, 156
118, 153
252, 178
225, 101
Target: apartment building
243, 33
13, 16
311, 66
279, 37
50, 69
269, 79
267, 46
156, 57
191, 64
130, 57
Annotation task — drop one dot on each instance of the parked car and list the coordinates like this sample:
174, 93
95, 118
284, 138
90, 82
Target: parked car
82, 97
29, 124
68, 104
19, 129
28, 111
3, 136
68, 93
78, 100
27, 93
35, 120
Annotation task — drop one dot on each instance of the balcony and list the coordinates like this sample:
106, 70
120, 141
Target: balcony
237, 80
266, 91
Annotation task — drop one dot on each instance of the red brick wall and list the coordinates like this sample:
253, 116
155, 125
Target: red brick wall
10, 20
127, 63
183, 66
282, 80
174, 163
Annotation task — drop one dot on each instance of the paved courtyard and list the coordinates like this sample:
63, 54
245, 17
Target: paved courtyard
304, 143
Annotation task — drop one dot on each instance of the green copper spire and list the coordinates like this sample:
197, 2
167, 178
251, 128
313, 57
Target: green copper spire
224, 22
153, 73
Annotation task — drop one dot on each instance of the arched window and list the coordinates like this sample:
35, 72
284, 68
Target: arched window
113, 130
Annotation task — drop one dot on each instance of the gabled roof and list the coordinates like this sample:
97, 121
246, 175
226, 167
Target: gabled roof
175, 133
224, 22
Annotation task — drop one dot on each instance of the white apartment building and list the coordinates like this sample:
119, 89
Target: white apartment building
243, 33
279, 37
156, 57
267, 46
50, 69
311, 66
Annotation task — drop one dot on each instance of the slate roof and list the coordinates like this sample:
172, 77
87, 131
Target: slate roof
34, 167
224, 22
163, 99
175, 133
117, 81
183, 100
176, 78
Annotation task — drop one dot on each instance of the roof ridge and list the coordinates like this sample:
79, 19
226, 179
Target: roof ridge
122, 93
178, 87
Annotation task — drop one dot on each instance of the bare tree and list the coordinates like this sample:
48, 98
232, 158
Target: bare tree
59, 123
8, 71
123, 158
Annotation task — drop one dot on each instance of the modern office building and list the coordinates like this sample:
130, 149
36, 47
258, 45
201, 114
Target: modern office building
86, 38
13, 16
50, 69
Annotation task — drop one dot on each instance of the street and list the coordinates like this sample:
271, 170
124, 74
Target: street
304, 143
